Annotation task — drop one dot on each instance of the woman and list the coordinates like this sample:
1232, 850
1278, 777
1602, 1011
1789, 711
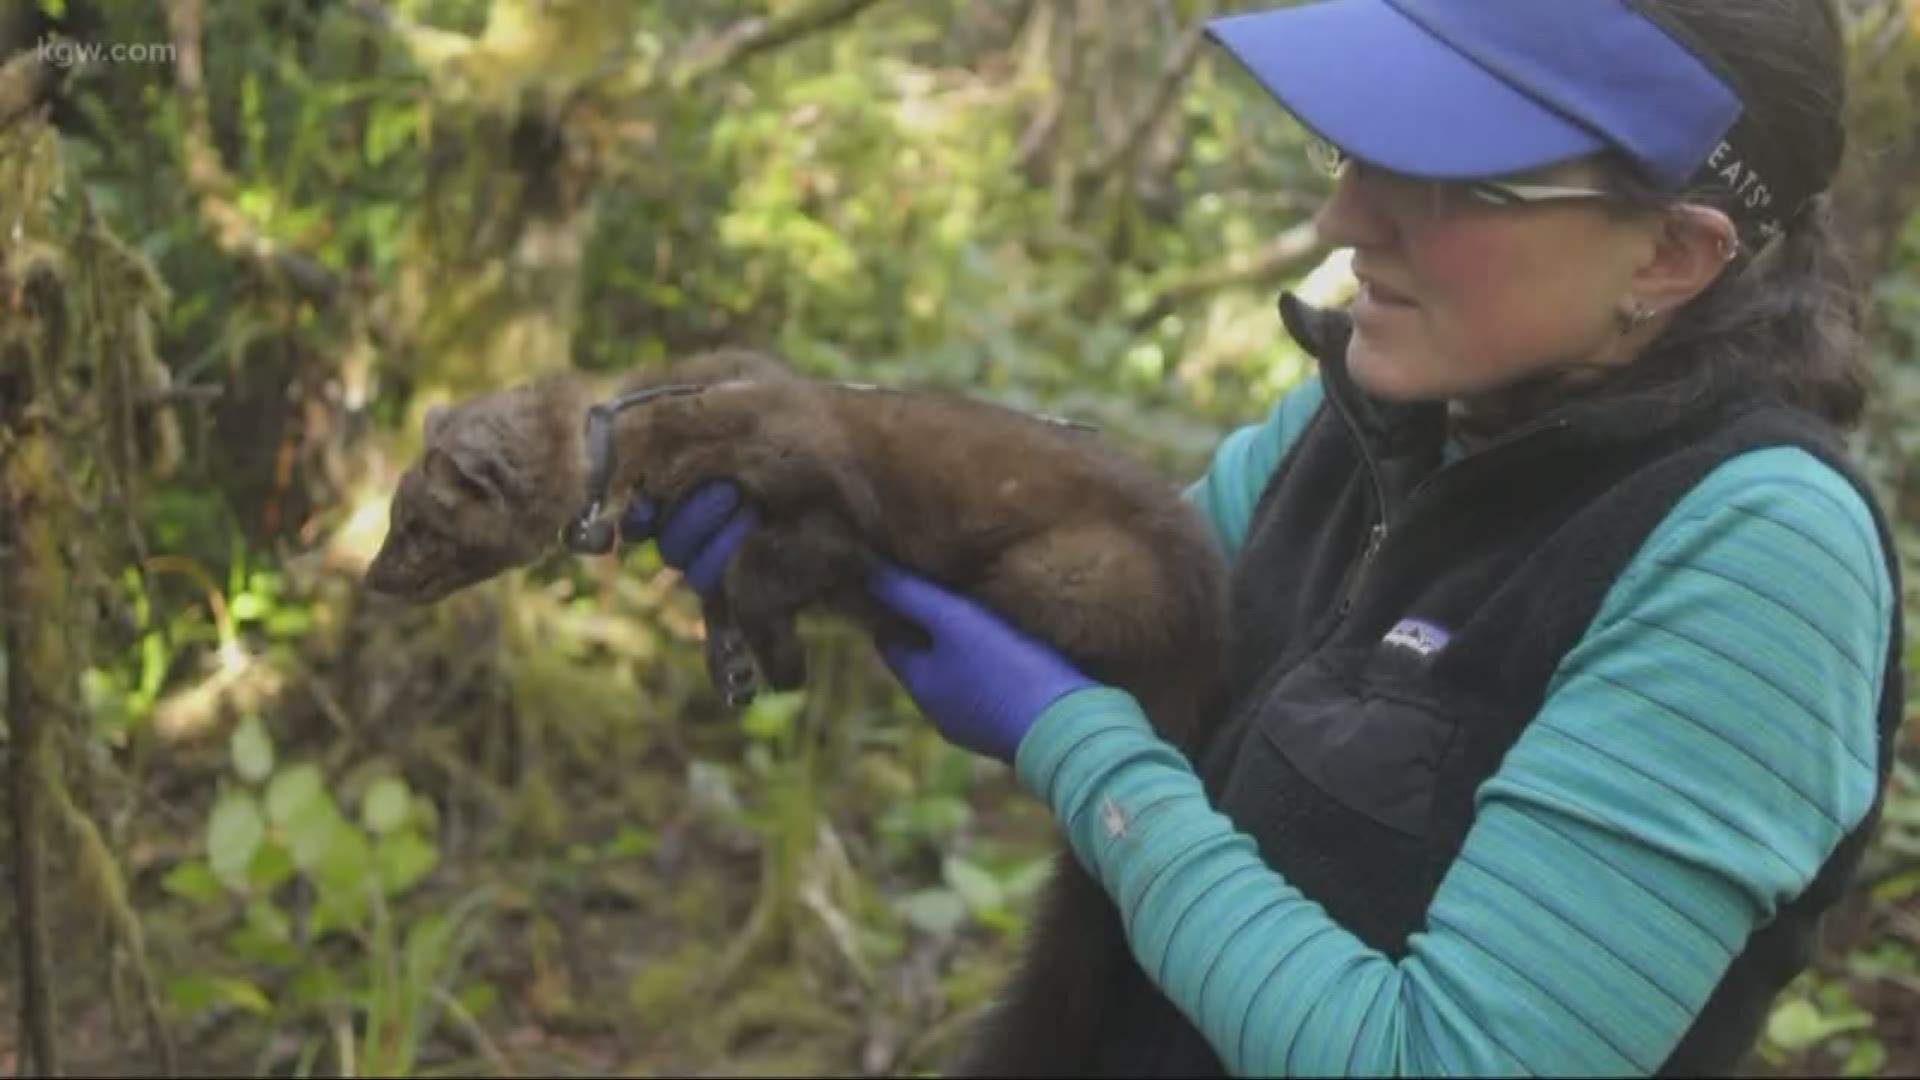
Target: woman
1567, 641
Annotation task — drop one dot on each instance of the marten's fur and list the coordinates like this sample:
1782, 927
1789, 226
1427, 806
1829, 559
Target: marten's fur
1056, 531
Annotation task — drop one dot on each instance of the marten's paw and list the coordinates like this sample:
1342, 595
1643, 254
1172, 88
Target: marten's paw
729, 660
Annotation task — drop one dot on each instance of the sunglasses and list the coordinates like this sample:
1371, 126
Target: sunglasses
1331, 161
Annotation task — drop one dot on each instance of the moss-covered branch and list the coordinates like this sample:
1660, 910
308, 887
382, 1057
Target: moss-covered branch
76, 362
33, 577
1286, 254
24, 82
34, 583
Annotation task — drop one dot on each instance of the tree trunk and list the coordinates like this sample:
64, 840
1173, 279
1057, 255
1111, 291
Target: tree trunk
35, 584
78, 427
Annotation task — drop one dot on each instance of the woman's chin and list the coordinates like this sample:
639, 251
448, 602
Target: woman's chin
1387, 372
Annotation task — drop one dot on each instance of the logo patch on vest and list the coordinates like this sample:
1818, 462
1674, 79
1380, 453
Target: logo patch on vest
1417, 636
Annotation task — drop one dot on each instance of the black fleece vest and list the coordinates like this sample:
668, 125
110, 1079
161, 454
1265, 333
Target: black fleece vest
1353, 761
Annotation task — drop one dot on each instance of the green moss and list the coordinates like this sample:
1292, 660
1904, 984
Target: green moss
704, 903
781, 1023
662, 992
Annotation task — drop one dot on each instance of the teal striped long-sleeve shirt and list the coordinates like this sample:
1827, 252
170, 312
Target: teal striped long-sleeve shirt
1700, 753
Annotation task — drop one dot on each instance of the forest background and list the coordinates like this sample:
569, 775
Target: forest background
261, 823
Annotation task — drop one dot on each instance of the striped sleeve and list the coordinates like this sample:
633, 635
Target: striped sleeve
1227, 492
1700, 754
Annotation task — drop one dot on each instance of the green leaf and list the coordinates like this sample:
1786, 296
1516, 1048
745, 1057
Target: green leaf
384, 807
346, 860
247, 607
770, 716
338, 910
935, 911
304, 812
1898, 888
1867, 1058
1797, 1024
344, 875
267, 938
316, 986
631, 841
291, 791
289, 622
233, 832
252, 750
192, 880
270, 921
404, 858
1025, 882
479, 997
154, 661
979, 889
272, 864
193, 993
388, 129
428, 952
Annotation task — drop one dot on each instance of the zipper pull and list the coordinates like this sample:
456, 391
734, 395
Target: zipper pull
1375, 536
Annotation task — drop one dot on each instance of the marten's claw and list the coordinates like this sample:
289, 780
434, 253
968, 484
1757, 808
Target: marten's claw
731, 665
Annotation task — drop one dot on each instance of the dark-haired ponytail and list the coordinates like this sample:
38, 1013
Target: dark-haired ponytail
1788, 317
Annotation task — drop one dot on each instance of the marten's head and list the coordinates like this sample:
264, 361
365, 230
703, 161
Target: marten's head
463, 512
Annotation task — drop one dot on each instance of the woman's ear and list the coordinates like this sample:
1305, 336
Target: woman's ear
1692, 246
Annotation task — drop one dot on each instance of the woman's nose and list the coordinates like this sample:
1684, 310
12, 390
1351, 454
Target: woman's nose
1353, 214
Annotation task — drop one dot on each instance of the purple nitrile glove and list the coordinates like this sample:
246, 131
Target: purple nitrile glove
982, 681
698, 535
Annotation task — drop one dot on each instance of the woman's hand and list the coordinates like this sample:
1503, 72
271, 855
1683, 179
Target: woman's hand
982, 682
697, 535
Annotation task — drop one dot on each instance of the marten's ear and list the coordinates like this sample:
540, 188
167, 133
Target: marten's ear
472, 473
436, 416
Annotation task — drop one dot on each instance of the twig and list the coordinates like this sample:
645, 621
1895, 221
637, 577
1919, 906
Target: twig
171, 394
1287, 252
1166, 90
1893, 978
216, 601
466, 1021
1047, 16
210, 183
751, 37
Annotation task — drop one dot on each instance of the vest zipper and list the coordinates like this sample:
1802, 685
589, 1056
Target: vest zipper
1377, 532
1375, 536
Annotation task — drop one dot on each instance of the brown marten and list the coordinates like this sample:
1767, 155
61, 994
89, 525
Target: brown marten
1058, 532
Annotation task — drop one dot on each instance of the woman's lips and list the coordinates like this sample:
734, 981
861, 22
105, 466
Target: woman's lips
1376, 304
1374, 292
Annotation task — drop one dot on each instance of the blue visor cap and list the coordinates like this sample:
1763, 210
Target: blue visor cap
1455, 89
